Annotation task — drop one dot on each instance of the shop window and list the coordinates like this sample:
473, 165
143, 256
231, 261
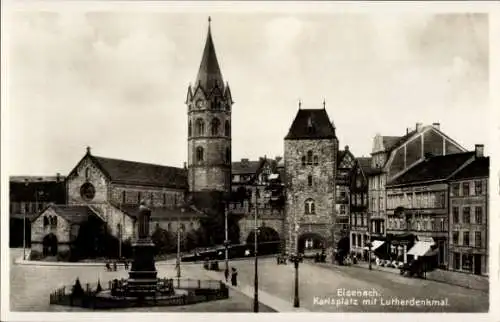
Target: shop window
466, 262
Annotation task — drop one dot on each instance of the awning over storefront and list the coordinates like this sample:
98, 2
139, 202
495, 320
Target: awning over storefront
273, 176
376, 244
420, 248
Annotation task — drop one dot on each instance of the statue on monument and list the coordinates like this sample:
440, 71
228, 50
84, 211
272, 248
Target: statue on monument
143, 221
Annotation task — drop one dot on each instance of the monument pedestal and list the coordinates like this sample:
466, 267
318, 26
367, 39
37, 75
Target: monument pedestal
142, 279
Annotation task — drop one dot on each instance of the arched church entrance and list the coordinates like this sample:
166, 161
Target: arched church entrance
268, 240
50, 245
311, 243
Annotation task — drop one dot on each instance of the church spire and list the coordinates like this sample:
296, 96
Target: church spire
209, 73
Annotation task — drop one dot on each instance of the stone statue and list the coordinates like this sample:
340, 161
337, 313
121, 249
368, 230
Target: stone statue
143, 221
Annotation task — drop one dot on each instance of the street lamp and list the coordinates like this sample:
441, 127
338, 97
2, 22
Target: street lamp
296, 259
256, 276
179, 250
369, 240
226, 241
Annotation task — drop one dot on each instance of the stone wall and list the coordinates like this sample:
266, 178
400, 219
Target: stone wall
114, 216
62, 231
155, 196
322, 190
95, 177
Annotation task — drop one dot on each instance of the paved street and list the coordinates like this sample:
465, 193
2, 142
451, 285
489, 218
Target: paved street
31, 286
319, 287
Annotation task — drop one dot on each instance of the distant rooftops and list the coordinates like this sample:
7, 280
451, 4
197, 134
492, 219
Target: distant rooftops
32, 179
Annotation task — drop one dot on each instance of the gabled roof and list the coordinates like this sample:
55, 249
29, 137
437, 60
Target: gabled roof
73, 214
131, 172
209, 74
311, 124
479, 168
434, 168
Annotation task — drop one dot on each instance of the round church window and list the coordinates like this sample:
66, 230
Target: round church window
87, 191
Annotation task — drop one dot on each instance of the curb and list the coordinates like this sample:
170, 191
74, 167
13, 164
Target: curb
21, 261
265, 298
374, 268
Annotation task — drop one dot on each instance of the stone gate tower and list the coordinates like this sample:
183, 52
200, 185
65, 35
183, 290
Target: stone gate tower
209, 126
310, 170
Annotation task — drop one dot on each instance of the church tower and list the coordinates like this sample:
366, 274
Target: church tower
209, 105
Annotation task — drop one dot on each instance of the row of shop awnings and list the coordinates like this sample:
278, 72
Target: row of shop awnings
422, 247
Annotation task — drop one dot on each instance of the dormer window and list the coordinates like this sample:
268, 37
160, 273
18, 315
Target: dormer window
87, 173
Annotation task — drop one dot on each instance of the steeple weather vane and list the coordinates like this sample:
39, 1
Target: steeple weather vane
300, 103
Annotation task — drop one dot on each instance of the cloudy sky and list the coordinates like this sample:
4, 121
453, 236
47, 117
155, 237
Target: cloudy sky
117, 81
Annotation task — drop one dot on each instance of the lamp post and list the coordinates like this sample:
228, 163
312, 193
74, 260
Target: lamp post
369, 240
296, 259
226, 241
256, 276
179, 250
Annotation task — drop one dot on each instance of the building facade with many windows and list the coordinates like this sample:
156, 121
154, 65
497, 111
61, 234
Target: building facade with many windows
468, 218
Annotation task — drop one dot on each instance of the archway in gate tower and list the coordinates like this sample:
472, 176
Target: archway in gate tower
268, 240
311, 243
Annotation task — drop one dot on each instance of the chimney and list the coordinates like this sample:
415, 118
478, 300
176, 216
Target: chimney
436, 125
479, 150
244, 162
88, 150
185, 165
418, 127
58, 177
346, 148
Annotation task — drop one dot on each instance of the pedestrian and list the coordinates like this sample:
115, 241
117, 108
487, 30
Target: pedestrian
108, 267
234, 277
114, 266
226, 274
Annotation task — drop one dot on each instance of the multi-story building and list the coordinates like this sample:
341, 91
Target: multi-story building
345, 164
359, 205
417, 204
468, 217
393, 155
311, 148
28, 196
258, 190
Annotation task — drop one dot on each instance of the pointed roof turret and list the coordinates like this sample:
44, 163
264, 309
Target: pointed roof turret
209, 74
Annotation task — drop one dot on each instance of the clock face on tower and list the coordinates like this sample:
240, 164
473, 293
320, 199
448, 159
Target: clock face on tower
200, 103
87, 191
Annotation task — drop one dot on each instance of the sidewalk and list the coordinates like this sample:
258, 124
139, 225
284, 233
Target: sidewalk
475, 282
265, 298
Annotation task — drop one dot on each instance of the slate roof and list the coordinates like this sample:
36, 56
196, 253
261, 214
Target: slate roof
130, 172
209, 74
365, 164
480, 167
74, 214
433, 169
245, 167
163, 213
318, 119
